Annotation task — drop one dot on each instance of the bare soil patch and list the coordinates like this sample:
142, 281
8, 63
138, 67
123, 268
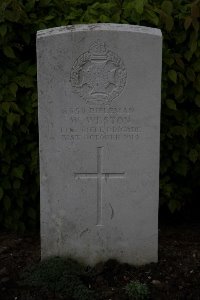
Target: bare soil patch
175, 276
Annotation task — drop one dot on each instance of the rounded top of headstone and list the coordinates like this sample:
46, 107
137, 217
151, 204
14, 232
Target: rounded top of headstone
99, 27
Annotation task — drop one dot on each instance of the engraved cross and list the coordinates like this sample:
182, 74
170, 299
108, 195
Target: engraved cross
99, 176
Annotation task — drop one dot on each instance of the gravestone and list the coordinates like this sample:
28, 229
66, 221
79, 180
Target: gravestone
99, 123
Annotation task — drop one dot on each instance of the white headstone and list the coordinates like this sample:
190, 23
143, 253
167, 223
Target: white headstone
99, 125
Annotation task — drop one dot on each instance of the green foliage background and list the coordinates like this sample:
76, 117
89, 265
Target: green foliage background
180, 144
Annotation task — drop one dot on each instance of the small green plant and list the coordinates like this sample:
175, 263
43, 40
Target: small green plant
137, 291
62, 277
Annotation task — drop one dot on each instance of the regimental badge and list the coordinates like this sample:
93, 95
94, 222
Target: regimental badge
99, 75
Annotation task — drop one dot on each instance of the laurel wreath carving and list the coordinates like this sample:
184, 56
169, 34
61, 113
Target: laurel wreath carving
120, 76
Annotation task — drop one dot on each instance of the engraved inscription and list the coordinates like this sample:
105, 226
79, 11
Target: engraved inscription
99, 176
99, 75
99, 124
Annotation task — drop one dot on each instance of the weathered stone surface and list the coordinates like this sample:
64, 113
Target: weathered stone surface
99, 124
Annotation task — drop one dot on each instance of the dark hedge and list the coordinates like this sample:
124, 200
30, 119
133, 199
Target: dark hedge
180, 139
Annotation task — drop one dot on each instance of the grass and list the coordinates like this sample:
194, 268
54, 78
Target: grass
62, 277
137, 291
